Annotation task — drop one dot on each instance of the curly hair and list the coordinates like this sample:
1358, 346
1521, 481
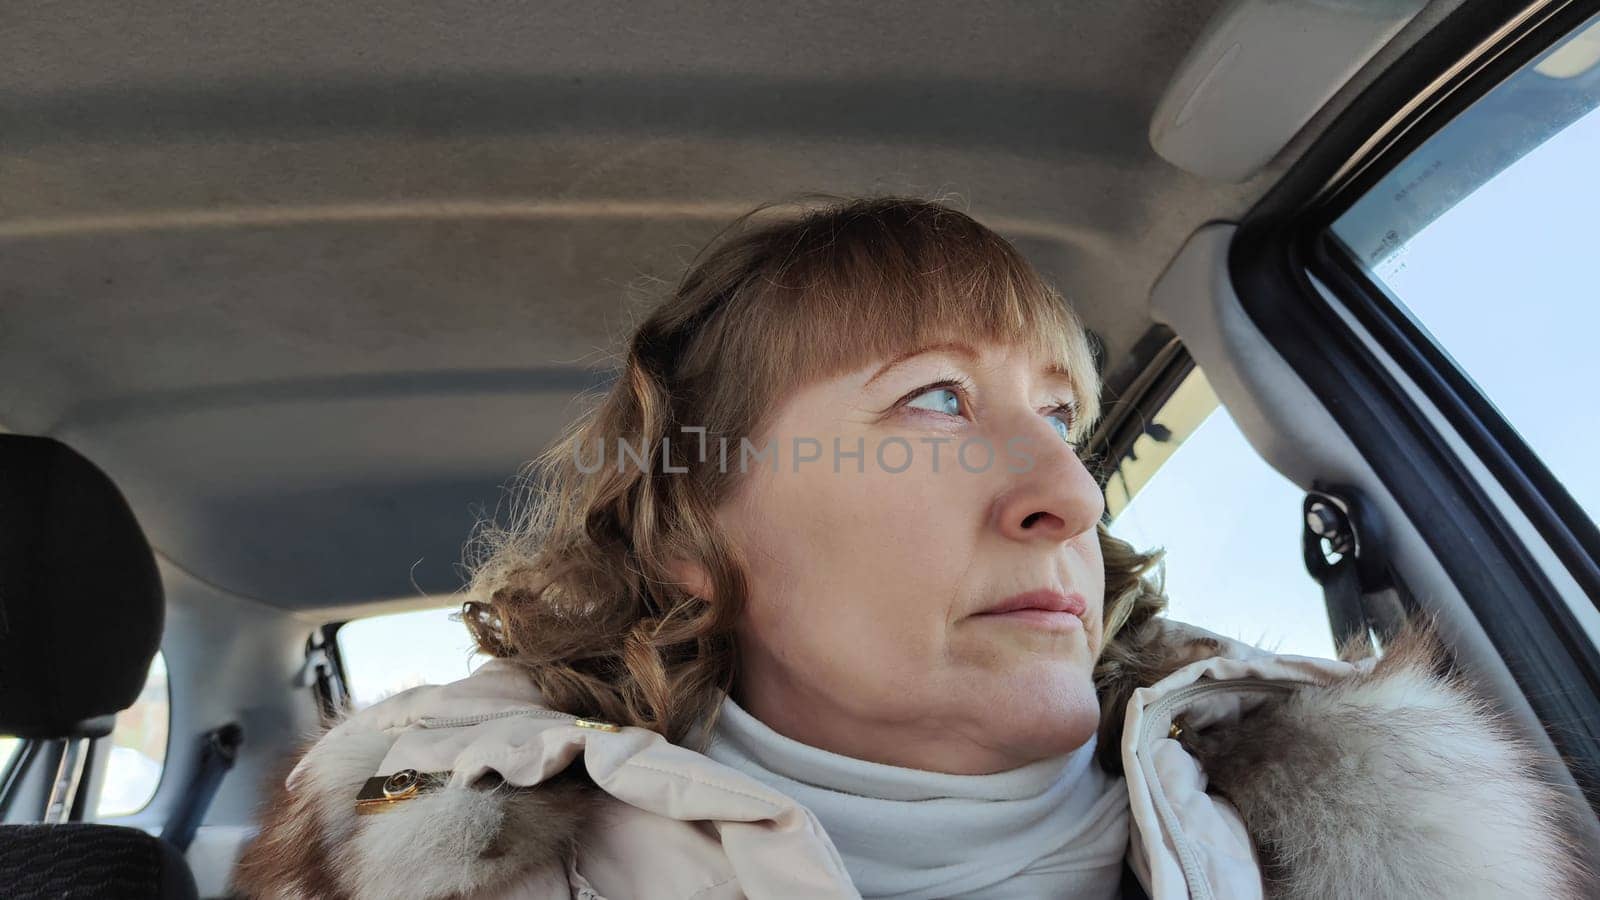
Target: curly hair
577, 589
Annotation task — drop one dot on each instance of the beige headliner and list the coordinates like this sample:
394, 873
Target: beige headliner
310, 280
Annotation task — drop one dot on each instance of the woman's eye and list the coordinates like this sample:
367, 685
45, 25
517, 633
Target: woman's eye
1061, 421
1062, 428
944, 400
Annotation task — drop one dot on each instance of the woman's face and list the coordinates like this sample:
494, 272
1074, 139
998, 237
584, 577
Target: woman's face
869, 629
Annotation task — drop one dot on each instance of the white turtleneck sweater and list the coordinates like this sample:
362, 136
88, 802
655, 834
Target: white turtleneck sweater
1055, 828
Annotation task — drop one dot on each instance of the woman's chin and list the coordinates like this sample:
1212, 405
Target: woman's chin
1066, 726
1042, 715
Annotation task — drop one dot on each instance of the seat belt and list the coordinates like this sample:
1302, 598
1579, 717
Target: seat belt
1344, 552
218, 751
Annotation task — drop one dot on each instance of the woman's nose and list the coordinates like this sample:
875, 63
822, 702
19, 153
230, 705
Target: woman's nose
1055, 501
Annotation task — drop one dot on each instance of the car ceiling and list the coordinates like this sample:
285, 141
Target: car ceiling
310, 281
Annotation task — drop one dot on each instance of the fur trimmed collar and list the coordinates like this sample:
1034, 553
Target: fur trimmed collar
1392, 782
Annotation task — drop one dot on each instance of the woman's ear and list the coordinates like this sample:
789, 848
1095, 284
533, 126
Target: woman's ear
691, 576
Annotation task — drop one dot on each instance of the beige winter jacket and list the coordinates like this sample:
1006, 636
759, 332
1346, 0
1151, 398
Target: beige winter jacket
1248, 775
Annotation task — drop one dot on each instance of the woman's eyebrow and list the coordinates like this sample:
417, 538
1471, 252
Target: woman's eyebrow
1060, 373
955, 347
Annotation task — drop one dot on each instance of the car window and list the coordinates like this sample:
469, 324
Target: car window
1486, 236
1230, 525
138, 748
8, 750
386, 654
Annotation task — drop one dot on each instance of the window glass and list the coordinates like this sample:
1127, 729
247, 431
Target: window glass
8, 748
138, 748
1486, 235
387, 654
1230, 525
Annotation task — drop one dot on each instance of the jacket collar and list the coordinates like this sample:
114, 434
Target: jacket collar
1231, 753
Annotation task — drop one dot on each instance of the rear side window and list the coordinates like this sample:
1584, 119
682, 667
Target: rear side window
1486, 236
383, 655
138, 748
8, 753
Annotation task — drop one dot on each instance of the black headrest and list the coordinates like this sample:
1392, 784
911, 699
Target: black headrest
81, 606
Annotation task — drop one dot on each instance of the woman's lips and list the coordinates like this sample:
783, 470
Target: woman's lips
1042, 608
1039, 618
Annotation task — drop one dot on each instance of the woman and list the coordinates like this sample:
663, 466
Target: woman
818, 603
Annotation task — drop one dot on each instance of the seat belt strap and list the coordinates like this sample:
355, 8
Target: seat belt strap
219, 750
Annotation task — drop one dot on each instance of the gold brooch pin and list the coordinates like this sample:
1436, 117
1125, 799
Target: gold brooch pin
381, 791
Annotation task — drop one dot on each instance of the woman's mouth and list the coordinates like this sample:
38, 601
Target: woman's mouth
1041, 609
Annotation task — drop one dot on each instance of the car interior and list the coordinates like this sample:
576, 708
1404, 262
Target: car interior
289, 292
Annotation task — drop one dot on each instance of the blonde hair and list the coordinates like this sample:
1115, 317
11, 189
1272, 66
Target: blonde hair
578, 589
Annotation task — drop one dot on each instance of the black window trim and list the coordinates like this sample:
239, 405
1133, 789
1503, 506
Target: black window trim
1283, 242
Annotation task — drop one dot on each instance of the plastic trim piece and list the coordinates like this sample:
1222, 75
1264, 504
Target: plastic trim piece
1259, 72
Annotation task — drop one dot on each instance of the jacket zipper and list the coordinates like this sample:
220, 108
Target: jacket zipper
460, 721
1165, 709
